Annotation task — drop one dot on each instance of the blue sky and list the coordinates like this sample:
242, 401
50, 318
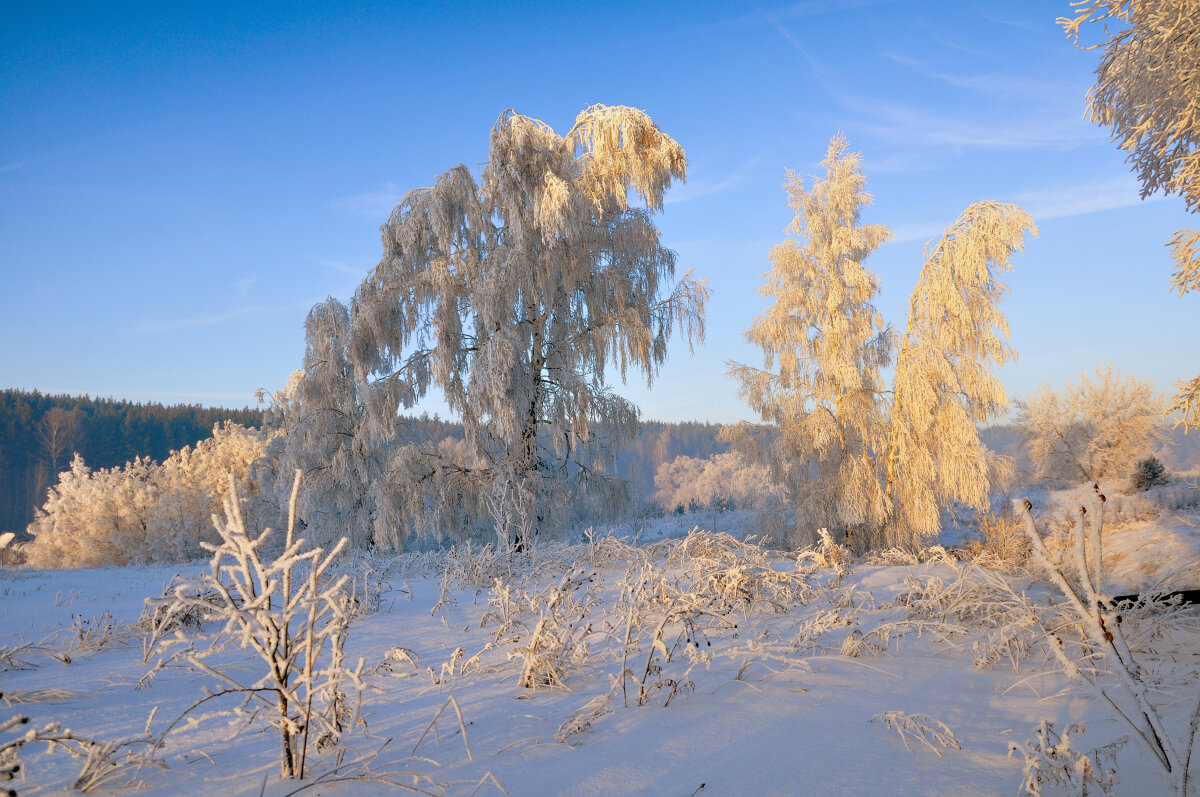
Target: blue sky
179, 184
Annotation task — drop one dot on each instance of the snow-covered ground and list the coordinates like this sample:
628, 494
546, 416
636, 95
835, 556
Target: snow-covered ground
772, 676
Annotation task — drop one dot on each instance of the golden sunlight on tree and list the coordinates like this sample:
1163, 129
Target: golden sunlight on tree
1095, 429
1147, 92
824, 344
878, 465
944, 384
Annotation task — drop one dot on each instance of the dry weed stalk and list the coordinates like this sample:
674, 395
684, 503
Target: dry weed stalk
282, 609
931, 732
1103, 639
1050, 760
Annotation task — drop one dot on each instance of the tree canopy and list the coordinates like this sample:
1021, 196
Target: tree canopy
516, 295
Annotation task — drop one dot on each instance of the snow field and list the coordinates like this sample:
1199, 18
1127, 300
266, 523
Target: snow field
785, 692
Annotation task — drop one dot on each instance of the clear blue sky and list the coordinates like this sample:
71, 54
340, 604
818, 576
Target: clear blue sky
180, 183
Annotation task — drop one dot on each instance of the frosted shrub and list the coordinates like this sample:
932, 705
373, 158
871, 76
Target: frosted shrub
296, 622
142, 512
977, 605
1001, 544
1051, 761
932, 733
119, 761
558, 641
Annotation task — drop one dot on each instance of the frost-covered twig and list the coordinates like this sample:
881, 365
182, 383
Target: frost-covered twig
1049, 759
931, 732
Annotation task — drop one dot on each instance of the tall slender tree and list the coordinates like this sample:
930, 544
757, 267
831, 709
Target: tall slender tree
944, 384
516, 294
824, 342
879, 465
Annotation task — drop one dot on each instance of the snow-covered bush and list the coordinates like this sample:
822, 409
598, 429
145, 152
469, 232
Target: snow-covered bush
1050, 760
1000, 542
142, 512
293, 618
118, 761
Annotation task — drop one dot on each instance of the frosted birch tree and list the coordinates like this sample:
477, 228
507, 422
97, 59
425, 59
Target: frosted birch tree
824, 343
323, 434
878, 465
944, 383
1147, 92
517, 294
1094, 429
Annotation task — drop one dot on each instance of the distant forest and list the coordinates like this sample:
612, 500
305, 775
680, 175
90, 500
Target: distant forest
40, 434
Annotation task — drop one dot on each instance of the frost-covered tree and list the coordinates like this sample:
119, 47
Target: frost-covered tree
877, 464
517, 294
1094, 429
824, 343
141, 512
721, 479
193, 484
58, 434
1147, 92
944, 384
321, 433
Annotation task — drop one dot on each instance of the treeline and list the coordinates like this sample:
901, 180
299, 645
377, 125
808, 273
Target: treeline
39, 435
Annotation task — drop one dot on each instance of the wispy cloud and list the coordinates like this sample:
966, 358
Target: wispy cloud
935, 36
996, 84
907, 123
242, 286
907, 233
992, 16
373, 205
695, 189
1063, 201
9, 167
151, 327
1055, 202
338, 265
799, 10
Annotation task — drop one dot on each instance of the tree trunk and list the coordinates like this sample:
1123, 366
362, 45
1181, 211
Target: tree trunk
527, 455
287, 761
